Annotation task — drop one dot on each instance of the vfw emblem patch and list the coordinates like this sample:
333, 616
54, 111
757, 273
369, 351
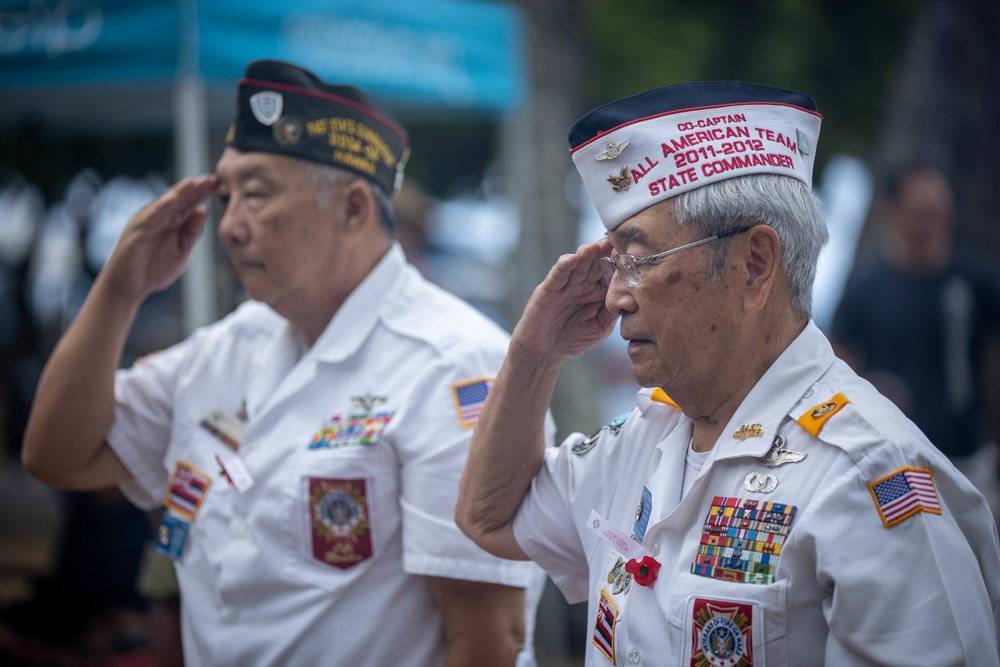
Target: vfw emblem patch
722, 634
339, 521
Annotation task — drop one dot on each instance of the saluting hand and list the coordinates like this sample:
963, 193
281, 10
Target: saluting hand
566, 315
154, 247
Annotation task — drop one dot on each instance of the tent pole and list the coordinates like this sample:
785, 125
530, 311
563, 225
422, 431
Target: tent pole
191, 146
191, 149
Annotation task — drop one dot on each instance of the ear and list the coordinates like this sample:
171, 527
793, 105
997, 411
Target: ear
762, 257
358, 205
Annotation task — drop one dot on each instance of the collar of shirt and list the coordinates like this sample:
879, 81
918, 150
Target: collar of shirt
792, 374
353, 322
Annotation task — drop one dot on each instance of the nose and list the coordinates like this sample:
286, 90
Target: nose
619, 299
233, 230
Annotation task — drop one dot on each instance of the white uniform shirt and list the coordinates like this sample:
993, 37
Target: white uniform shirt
847, 589
318, 562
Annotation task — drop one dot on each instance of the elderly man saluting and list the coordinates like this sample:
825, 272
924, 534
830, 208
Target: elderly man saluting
761, 504
307, 448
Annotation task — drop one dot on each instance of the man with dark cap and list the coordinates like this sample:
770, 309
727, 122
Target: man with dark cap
306, 448
762, 504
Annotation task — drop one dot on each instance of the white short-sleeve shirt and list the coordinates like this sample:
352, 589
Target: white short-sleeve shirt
354, 447
853, 542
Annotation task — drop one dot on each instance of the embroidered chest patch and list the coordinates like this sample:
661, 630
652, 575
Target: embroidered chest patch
722, 634
339, 521
742, 539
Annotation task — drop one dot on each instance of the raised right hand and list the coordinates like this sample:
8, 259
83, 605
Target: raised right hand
154, 247
566, 315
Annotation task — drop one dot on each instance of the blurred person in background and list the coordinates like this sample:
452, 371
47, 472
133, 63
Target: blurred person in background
921, 321
761, 504
307, 448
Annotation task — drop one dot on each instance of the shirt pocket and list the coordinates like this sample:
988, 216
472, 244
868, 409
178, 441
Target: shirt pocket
727, 623
339, 516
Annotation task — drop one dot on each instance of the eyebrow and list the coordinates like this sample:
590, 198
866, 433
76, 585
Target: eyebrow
242, 175
635, 234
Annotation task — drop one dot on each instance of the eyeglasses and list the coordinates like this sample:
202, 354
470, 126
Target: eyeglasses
629, 265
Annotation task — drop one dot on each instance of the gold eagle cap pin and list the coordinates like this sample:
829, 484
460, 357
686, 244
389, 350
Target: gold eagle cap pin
620, 182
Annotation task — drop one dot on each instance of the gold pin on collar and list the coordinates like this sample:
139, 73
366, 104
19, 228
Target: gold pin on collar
749, 431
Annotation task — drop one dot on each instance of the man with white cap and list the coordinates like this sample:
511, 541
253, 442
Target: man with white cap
306, 449
761, 504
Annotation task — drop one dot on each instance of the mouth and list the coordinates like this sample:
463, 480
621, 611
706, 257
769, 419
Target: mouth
638, 344
246, 265
635, 342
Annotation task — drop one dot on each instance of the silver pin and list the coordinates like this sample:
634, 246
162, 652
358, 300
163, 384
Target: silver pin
614, 150
759, 482
368, 402
779, 456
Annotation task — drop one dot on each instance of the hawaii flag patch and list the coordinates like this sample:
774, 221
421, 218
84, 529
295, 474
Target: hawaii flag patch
186, 490
469, 397
904, 493
604, 626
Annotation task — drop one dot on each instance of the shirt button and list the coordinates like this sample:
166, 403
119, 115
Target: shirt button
239, 529
633, 655
230, 615
654, 549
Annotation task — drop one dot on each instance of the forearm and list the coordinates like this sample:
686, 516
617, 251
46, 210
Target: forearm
498, 651
74, 401
483, 623
508, 445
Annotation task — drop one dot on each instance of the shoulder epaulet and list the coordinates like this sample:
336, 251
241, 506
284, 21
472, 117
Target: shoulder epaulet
814, 419
660, 396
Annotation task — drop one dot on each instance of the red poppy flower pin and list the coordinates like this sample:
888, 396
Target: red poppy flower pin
644, 571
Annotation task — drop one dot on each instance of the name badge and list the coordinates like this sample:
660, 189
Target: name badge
619, 541
172, 536
235, 472
227, 430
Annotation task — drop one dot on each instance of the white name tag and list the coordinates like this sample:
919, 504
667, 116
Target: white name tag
619, 541
236, 473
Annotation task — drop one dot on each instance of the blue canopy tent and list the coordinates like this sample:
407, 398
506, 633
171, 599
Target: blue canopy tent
114, 65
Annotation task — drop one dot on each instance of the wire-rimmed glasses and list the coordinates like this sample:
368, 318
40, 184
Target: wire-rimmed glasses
629, 265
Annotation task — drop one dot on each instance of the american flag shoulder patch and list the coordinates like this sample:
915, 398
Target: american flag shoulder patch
906, 492
469, 397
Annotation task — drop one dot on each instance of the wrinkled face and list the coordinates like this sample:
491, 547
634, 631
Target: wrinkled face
676, 320
922, 214
283, 248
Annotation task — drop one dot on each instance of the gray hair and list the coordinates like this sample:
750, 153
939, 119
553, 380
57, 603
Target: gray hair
780, 202
329, 179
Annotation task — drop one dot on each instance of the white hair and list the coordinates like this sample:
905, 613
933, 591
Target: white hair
783, 203
329, 179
